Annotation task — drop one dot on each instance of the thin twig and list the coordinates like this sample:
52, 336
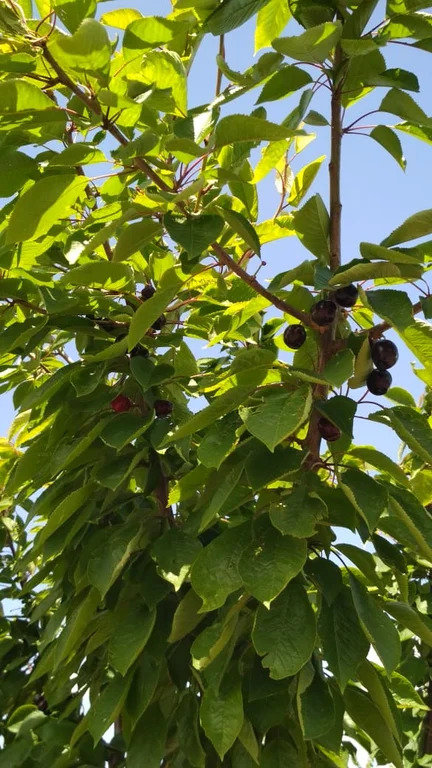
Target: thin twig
229, 262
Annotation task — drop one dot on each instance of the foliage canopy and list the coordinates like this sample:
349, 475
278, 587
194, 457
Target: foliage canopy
176, 566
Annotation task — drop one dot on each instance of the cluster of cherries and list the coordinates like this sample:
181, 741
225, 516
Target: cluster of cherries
384, 352
122, 403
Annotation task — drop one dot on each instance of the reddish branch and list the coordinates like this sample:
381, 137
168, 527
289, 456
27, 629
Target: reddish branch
229, 262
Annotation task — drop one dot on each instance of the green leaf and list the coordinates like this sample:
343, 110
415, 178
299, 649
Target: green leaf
340, 410
212, 641
344, 643
271, 21
232, 14
72, 12
417, 623
148, 739
42, 205
188, 731
219, 490
311, 224
315, 44
175, 552
368, 717
215, 572
101, 274
303, 181
278, 415
379, 460
218, 441
363, 560
405, 506
390, 141
269, 159
339, 368
411, 426
19, 96
120, 18
377, 626
263, 466
285, 634
380, 695
134, 237
153, 308
242, 227
220, 406
270, 562
143, 687
149, 32
78, 154
133, 626
123, 428
186, 617
109, 557
196, 234
111, 474
316, 709
401, 104
164, 70
107, 706
417, 225
75, 628
63, 512
240, 128
282, 83
279, 753
362, 367
87, 51
221, 715
367, 496
298, 513
17, 168
371, 251
326, 575
392, 306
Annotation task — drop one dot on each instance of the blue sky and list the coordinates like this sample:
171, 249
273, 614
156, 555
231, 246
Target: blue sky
377, 195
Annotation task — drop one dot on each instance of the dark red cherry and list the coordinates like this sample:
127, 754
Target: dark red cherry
346, 296
159, 323
162, 408
121, 403
147, 292
323, 312
328, 430
294, 336
384, 354
139, 351
378, 382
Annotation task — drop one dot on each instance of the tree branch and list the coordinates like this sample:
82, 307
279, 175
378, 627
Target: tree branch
335, 168
229, 262
93, 106
327, 341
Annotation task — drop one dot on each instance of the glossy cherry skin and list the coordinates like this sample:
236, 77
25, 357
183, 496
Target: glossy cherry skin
323, 312
346, 296
328, 430
384, 354
159, 323
378, 382
139, 351
162, 408
294, 336
147, 292
121, 403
